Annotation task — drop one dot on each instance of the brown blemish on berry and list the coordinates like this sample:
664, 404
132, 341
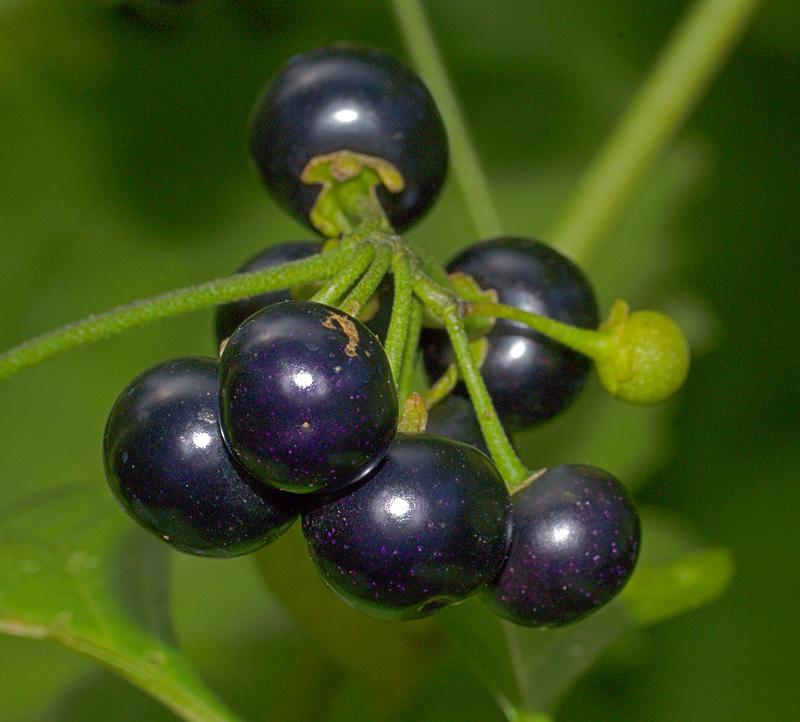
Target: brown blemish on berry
349, 329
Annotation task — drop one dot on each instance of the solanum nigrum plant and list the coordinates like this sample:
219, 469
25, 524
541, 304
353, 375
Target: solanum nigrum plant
309, 398
413, 500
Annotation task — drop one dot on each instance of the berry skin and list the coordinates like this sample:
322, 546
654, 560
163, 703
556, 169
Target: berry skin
168, 466
575, 543
231, 315
308, 402
529, 377
426, 530
363, 100
454, 418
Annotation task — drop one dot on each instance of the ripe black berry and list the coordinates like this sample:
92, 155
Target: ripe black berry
426, 530
308, 402
575, 543
168, 466
529, 377
350, 98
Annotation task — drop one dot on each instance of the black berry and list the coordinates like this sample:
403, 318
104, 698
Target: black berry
308, 402
350, 98
529, 377
426, 530
575, 543
169, 468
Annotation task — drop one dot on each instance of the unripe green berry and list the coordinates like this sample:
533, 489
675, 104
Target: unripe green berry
647, 359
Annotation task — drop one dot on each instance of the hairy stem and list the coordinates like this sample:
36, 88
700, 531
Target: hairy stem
583, 340
357, 264
173, 303
397, 336
445, 305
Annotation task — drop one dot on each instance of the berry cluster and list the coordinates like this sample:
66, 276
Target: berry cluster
308, 413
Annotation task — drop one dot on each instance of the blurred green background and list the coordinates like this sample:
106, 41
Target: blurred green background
124, 172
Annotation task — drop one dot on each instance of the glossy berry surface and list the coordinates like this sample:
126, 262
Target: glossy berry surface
454, 417
363, 100
426, 530
168, 467
575, 543
308, 402
529, 377
230, 315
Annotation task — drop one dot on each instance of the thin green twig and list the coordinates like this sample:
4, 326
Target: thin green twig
359, 262
467, 168
687, 65
172, 303
397, 335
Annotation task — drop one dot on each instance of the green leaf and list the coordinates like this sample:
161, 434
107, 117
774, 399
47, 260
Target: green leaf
664, 591
72, 571
529, 670
359, 644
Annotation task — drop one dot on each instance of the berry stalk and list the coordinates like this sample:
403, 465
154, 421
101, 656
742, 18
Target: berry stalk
370, 281
173, 303
641, 357
446, 306
357, 264
406, 377
398, 334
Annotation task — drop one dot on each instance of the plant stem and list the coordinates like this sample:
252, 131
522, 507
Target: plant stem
421, 44
397, 336
587, 341
358, 263
686, 66
503, 454
173, 303
410, 352
444, 304
369, 281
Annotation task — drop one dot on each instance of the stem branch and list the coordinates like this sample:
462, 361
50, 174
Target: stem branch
172, 303
469, 174
689, 62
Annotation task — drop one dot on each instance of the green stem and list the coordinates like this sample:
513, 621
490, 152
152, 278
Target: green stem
687, 65
397, 336
503, 454
442, 387
340, 284
445, 305
369, 281
430, 266
408, 364
421, 44
173, 303
587, 341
